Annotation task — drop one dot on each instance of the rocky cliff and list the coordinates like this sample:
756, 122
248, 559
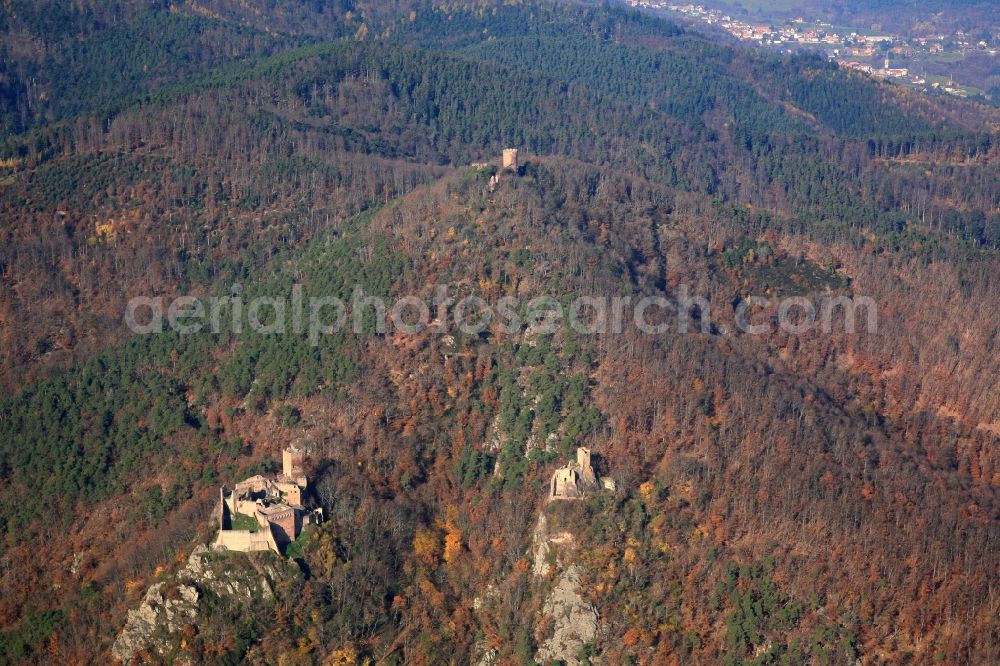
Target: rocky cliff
188, 603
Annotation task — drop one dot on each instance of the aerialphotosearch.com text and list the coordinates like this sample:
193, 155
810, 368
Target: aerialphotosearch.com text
315, 316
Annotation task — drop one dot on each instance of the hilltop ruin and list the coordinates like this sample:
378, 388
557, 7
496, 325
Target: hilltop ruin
577, 478
263, 513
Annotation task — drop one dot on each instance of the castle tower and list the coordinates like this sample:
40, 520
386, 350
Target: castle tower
510, 158
587, 476
292, 465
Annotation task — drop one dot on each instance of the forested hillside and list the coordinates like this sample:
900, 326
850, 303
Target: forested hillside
820, 497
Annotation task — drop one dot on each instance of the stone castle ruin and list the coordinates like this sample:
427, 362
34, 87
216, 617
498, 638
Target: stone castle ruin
263, 513
508, 164
509, 159
577, 478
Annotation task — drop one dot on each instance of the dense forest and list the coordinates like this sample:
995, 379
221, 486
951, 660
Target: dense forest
785, 498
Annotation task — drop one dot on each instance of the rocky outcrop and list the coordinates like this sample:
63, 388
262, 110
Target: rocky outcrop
574, 620
156, 613
540, 548
169, 606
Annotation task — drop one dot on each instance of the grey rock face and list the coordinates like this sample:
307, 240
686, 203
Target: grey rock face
162, 615
575, 620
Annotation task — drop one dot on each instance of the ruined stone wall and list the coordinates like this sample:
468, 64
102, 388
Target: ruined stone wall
291, 492
255, 484
564, 483
246, 541
223, 508
283, 526
246, 507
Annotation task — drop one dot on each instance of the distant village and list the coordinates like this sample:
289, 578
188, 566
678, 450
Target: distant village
847, 47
